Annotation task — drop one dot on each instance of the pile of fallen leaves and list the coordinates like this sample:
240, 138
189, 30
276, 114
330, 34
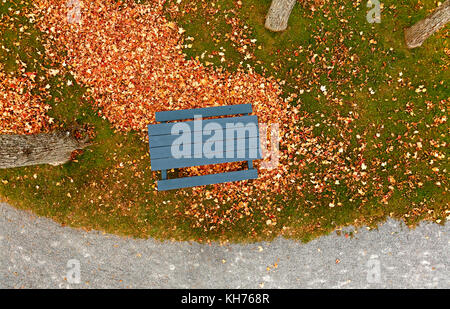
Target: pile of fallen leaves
131, 59
22, 109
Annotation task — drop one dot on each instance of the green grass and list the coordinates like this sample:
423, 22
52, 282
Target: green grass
96, 192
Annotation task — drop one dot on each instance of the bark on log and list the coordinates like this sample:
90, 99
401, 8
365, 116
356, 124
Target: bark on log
47, 148
278, 16
419, 32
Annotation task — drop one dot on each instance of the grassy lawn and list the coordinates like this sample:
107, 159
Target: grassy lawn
371, 104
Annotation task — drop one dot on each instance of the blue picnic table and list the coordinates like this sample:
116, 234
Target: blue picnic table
186, 138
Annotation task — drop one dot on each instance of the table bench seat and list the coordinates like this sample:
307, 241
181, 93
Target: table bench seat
194, 181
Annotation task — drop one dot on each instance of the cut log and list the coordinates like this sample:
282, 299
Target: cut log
47, 148
419, 32
278, 16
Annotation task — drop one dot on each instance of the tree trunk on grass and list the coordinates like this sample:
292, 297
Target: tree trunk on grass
278, 16
418, 33
47, 148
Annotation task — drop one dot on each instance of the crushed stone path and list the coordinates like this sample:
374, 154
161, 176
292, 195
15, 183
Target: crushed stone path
39, 253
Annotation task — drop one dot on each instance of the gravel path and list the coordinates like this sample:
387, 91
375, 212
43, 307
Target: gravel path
38, 253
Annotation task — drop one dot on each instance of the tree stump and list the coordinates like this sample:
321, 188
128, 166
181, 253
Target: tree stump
419, 32
278, 16
47, 148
